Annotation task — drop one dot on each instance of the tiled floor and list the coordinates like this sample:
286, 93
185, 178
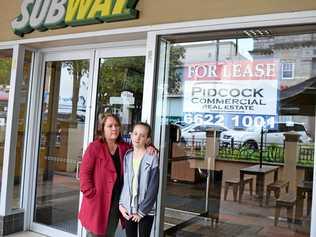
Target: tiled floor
236, 219
183, 199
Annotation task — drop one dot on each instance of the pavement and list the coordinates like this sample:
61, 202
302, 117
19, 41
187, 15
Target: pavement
26, 234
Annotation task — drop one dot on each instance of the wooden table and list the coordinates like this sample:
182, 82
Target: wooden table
260, 174
181, 170
303, 189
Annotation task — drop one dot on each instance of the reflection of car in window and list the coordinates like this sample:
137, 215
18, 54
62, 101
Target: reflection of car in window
252, 136
181, 124
198, 132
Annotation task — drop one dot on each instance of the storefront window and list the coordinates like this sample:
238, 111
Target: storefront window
5, 74
235, 115
63, 121
23, 100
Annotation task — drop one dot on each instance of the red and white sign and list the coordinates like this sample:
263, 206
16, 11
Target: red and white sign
243, 87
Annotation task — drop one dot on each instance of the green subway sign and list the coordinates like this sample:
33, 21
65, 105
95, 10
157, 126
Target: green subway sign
42, 15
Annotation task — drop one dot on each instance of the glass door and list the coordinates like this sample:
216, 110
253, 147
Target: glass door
64, 115
120, 74
186, 193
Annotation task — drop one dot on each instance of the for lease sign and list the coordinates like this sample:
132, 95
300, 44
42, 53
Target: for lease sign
50, 14
244, 87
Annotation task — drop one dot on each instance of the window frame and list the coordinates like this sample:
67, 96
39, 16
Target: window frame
283, 67
158, 41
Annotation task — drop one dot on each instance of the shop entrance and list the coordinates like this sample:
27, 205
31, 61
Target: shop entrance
77, 88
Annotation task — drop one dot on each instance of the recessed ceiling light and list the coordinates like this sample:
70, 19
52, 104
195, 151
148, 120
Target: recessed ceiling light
255, 33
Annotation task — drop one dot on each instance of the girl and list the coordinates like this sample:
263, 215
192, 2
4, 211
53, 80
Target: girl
139, 193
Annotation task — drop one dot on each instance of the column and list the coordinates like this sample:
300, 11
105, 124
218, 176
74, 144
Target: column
212, 147
291, 150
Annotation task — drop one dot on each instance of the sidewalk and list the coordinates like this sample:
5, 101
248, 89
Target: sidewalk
26, 234
119, 233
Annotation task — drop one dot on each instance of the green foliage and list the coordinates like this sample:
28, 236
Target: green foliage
175, 79
120, 74
271, 153
76, 68
5, 71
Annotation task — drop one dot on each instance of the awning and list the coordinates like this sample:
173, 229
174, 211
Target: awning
299, 99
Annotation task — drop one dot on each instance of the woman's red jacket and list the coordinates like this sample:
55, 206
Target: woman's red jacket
97, 179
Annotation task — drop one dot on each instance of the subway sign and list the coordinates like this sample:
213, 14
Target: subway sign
42, 15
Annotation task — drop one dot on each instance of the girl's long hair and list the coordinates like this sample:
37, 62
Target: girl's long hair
100, 131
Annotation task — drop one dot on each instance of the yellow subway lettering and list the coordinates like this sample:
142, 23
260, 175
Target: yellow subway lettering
100, 8
72, 10
119, 7
84, 8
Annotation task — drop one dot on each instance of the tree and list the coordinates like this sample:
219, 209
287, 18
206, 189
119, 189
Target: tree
5, 70
76, 68
120, 74
175, 82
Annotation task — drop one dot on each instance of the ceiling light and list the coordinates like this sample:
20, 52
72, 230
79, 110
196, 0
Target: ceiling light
255, 33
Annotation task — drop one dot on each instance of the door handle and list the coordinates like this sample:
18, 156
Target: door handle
77, 170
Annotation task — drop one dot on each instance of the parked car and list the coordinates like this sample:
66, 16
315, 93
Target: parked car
198, 132
251, 137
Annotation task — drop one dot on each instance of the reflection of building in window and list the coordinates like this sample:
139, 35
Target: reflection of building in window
184, 54
298, 50
215, 51
294, 54
297, 57
314, 64
124, 106
212, 51
287, 71
175, 108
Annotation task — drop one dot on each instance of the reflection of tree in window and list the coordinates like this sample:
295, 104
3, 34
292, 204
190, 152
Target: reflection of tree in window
5, 71
77, 69
175, 83
117, 75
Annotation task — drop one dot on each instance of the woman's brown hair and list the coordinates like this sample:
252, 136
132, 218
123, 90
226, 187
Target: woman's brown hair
100, 132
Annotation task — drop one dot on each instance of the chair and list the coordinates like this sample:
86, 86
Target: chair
286, 200
276, 187
235, 183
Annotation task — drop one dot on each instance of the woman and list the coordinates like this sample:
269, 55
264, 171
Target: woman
101, 180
